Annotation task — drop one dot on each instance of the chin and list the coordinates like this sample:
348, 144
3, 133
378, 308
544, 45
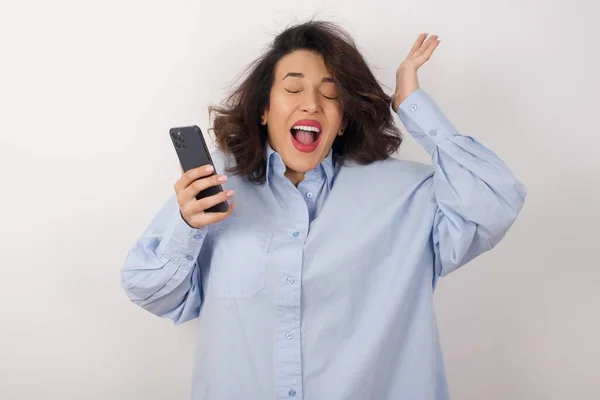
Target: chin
301, 162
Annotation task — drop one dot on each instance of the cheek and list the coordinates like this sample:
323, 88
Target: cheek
277, 120
334, 117
278, 114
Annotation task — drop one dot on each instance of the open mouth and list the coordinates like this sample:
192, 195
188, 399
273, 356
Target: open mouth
306, 135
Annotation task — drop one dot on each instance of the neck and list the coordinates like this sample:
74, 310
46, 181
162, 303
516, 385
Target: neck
294, 176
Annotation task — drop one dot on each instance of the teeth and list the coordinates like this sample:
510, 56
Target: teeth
306, 128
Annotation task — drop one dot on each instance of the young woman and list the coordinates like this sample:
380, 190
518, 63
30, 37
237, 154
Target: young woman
318, 283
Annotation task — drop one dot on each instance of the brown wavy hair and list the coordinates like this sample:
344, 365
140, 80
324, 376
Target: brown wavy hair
370, 133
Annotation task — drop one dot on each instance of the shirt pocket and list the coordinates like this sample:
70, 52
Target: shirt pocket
238, 265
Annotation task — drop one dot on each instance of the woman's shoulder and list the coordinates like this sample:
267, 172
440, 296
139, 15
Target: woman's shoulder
393, 168
415, 168
389, 178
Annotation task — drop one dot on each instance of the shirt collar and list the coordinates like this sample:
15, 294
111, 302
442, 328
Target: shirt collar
276, 165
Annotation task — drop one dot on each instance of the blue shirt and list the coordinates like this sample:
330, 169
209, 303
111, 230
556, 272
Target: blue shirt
324, 291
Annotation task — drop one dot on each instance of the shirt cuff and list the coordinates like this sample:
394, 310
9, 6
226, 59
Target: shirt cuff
182, 242
424, 120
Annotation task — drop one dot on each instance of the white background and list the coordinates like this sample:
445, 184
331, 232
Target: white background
88, 91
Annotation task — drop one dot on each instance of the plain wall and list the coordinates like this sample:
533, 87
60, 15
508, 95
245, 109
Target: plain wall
88, 91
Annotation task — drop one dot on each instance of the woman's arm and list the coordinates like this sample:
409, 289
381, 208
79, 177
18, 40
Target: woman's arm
478, 197
161, 273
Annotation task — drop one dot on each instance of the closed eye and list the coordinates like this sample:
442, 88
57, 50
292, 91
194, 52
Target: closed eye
298, 91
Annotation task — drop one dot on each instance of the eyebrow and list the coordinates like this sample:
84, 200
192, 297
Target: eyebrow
301, 75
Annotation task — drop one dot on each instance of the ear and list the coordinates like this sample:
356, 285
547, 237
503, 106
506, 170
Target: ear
263, 118
342, 129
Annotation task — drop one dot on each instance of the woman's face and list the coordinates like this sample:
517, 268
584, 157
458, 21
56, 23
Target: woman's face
304, 114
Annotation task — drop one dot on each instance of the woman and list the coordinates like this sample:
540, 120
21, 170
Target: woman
318, 284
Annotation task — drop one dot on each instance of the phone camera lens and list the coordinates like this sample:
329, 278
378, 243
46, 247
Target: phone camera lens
175, 135
178, 145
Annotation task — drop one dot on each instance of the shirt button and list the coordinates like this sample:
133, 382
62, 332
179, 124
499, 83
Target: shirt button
433, 132
296, 234
413, 107
292, 392
317, 169
290, 280
189, 258
289, 335
197, 236
309, 195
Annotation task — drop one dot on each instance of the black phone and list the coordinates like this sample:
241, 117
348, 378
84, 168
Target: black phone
192, 152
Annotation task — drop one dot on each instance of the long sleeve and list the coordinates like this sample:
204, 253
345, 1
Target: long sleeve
478, 198
161, 272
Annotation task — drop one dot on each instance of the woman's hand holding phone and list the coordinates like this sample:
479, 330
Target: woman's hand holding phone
192, 210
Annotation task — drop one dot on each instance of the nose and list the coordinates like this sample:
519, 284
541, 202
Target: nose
310, 103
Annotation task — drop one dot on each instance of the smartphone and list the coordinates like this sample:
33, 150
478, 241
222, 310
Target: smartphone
192, 152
